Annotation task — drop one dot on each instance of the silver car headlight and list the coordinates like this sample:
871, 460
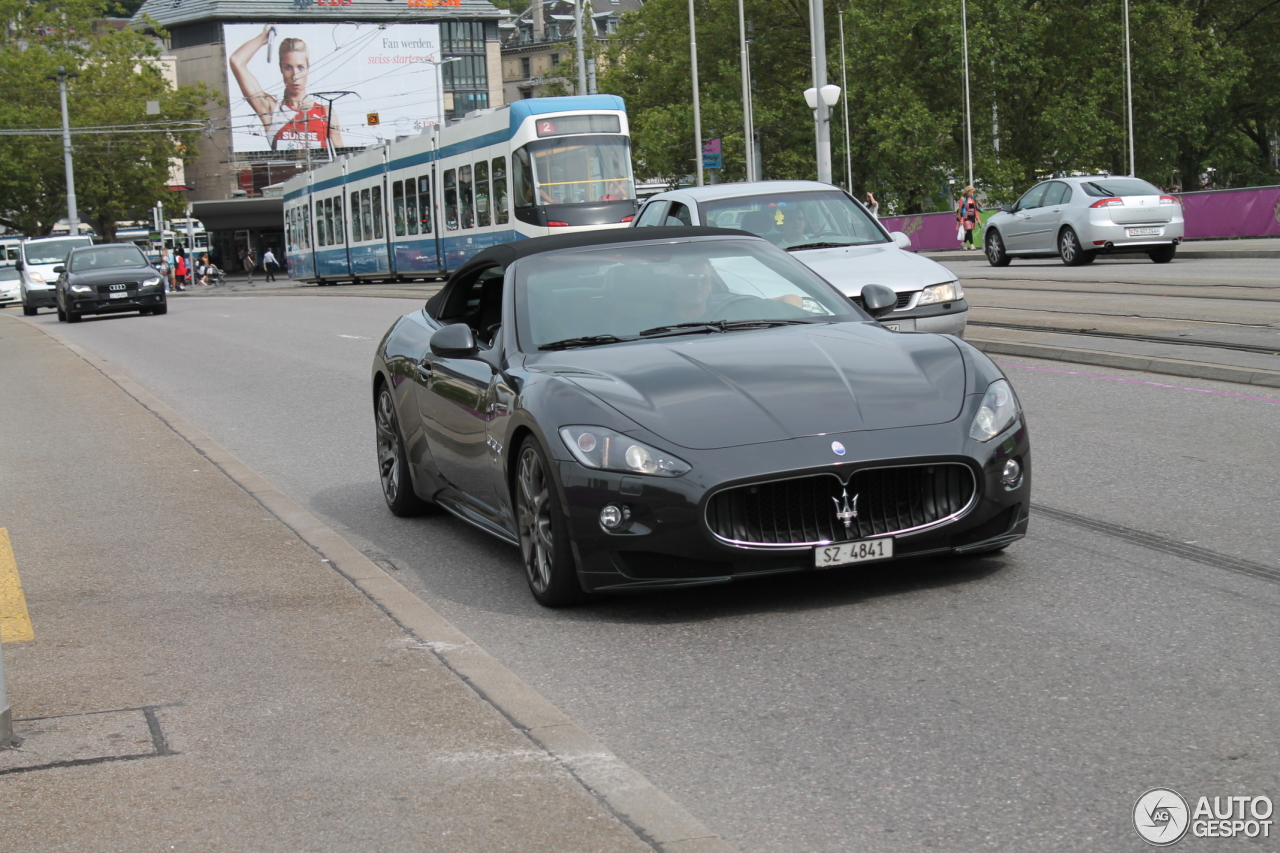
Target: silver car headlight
35, 278
606, 450
150, 282
950, 291
998, 411
81, 288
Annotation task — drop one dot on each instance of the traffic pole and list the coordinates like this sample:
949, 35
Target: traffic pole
6, 714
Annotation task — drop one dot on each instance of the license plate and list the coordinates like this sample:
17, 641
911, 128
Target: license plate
1144, 232
121, 295
825, 556
893, 327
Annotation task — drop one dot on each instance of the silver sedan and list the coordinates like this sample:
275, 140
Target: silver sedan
1078, 218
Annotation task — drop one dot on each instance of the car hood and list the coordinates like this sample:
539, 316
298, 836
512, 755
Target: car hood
736, 388
850, 267
115, 274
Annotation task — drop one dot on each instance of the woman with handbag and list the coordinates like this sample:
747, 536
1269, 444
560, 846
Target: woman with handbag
967, 211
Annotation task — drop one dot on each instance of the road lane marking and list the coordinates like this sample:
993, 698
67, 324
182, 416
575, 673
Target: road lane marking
1140, 382
15, 621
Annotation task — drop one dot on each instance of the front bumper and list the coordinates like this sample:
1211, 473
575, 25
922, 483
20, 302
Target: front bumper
10, 297
90, 303
667, 542
39, 297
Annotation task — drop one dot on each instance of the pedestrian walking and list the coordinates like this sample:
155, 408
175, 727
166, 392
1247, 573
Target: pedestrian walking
873, 205
165, 269
180, 270
967, 210
250, 262
269, 264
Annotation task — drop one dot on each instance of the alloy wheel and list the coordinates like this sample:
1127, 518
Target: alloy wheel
533, 513
388, 448
1068, 247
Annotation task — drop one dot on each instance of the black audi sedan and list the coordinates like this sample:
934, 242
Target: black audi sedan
106, 279
665, 407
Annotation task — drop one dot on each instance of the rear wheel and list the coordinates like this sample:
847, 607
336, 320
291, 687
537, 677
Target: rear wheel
993, 243
1162, 255
393, 462
1070, 250
28, 311
544, 531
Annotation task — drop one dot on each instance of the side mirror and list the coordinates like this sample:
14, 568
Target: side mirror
1007, 208
877, 300
19, 266
59, 269
454, 341
901, 239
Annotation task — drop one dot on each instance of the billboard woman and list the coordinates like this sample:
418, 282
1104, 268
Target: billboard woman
296, 120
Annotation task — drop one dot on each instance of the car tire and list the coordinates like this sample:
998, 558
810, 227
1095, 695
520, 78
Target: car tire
1162, 255
993, 246
73, 316
62, 315
544, 531
1070, 250
28, 311
393, 462
162, 308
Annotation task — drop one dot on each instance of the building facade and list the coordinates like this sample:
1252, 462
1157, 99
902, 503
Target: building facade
539, 46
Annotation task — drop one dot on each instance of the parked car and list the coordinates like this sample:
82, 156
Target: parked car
833, 234
1079, 218
108, 279
668, 407
10, 286
36, 260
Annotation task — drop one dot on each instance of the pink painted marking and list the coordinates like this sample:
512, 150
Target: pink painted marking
1139, 382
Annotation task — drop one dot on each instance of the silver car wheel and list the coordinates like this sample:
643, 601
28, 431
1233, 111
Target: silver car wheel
533, 514
1069, 247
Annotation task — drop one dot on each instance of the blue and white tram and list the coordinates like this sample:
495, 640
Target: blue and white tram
420, 207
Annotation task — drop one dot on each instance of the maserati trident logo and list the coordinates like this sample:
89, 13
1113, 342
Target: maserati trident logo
846, 509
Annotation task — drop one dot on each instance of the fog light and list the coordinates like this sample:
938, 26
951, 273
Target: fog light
612, 516
1012, 473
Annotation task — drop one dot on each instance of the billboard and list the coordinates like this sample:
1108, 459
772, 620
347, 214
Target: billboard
284, 80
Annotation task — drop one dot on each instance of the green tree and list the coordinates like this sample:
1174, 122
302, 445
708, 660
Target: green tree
119, 175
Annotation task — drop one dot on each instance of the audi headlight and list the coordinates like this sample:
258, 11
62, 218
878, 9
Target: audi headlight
606, 450
150, 282
81, 288
950, 291
998, 411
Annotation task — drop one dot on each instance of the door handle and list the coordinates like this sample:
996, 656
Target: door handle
423, 368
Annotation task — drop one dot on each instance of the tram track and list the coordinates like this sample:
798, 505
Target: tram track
1124, 336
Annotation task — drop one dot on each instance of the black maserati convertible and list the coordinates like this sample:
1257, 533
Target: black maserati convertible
667, 407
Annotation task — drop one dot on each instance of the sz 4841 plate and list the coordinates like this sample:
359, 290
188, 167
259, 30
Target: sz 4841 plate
825, 556
1144, 232
120, 295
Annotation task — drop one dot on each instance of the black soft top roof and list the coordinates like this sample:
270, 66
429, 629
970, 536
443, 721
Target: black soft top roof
508, 253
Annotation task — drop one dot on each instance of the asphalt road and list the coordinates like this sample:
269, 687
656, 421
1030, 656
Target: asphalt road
1017, 702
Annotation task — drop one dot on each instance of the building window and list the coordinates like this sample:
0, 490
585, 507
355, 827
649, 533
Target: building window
469, 72
462, 36
555, 60
465, 102
525, 71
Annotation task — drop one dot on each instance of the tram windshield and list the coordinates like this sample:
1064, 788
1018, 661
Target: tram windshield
573, 170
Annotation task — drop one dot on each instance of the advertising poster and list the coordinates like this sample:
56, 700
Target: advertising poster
284, 83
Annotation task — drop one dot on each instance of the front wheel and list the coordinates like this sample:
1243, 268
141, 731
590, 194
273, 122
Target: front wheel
544, 531
1162, 255
72, 316
393, 462
993, 243
62, 315
1070, 250
28, 311
162, 308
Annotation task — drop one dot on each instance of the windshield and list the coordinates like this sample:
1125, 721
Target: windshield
574, 170
1113, 187
793, 220
622, 292
106, 258
51, 251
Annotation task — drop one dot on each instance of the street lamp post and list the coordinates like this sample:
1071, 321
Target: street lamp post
968, 132
73, 216
440, 85
697, 106
844, 81
748, 122
582, 64
1128, 85
821, 106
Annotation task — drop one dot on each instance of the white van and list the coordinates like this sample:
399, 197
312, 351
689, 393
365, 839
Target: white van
36, 260
832, 234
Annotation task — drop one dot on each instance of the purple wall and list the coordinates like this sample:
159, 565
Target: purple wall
1215, 214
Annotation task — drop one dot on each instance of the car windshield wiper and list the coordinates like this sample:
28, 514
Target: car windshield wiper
818, 246
685, 328
774, 321
587, 341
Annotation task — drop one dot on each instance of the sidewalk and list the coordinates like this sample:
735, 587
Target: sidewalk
213, 669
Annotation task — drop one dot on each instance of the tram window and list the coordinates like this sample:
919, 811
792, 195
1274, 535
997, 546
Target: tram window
379, 213
357, 227
326, 222
522, 172
306, 226
464, 197
397, 207
411, 206
338, 233
366, 215
424, 203
450, 200
500, 190
482, 194
580, 169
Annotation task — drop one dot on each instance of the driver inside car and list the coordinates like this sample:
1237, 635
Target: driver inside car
701, 295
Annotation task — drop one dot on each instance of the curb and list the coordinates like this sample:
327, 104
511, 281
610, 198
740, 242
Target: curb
952, 255
636, 802
1124, 361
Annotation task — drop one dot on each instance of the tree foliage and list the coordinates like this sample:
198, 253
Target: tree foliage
118, 175
1047, 91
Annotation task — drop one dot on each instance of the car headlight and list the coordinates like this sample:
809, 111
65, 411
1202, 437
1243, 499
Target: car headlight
606, 450
950, 291
999, 409
150, 282
35, 278
81, 288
